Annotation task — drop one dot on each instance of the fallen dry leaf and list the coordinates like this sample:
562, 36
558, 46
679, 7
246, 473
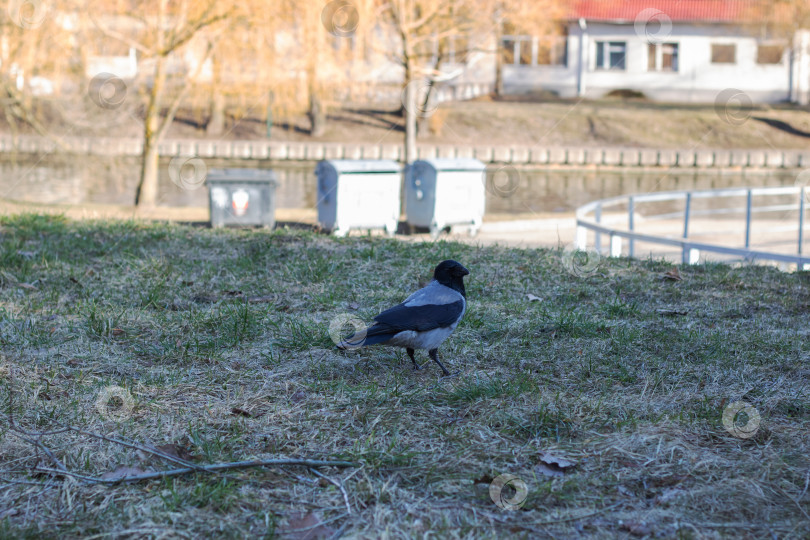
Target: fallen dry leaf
637, 528
176, 450
122, 471
354, 305
118, 332
485, 479
546, 470
304, 527
673, 274
241, 412
551, 465
672, 312
669, 495
533, 298
27, 286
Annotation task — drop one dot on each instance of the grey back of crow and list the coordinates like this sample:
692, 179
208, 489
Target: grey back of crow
424, 320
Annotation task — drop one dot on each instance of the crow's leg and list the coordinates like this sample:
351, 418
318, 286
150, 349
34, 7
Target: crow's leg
434, 354
410, 353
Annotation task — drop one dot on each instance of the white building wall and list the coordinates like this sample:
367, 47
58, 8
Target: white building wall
697, 79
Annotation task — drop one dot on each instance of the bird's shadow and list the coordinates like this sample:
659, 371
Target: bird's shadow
782, 126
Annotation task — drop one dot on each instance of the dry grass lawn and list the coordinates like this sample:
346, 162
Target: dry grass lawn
153, 347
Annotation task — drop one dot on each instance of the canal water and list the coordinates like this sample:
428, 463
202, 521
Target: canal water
61, 179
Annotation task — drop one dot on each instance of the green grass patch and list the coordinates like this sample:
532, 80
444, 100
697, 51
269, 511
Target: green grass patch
216, 343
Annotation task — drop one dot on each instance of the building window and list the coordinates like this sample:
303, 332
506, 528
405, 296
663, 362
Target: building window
724, 54
552, 51
662, 57
517, 50
610, 54
770, 53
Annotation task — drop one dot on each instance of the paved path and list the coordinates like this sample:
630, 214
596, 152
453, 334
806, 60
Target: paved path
556, 230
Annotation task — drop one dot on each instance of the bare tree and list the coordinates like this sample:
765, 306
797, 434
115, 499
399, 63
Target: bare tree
34, 47
420, 27
163, 30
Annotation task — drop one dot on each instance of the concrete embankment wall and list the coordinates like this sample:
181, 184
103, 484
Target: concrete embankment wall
514, 154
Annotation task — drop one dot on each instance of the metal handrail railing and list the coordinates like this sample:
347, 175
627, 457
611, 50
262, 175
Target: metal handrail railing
690, 249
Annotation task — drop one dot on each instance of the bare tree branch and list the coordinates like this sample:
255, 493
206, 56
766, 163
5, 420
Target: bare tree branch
206, 468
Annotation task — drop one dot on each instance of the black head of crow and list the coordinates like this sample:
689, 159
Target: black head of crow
424, 320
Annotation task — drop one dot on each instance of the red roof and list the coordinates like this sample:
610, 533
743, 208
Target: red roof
677, 10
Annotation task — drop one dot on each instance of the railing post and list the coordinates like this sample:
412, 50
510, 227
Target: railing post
801, 221
631, 208
686, 213
597, 216
615, 246
748, 220
582, 238
685, 251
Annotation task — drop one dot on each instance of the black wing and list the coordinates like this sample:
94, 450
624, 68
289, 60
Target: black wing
419, 318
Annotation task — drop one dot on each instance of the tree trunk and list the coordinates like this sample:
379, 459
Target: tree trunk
146, 194
317, 116
216, 121
498, 59
410, 123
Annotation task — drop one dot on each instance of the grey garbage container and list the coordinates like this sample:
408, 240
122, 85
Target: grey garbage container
242, 197
445, 191
358, 194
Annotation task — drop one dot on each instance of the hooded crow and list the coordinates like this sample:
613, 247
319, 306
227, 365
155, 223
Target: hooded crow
424, 320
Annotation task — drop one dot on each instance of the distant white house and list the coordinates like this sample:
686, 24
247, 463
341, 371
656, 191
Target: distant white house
669, 50
125, 67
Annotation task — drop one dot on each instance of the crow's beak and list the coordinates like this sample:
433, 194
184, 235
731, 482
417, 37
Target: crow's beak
461, 271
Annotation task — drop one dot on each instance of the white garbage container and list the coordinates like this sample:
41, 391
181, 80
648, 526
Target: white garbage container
358, 194
443, 192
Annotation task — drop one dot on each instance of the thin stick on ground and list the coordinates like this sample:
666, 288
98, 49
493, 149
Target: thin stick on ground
19, 431
137, 446
204, 468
